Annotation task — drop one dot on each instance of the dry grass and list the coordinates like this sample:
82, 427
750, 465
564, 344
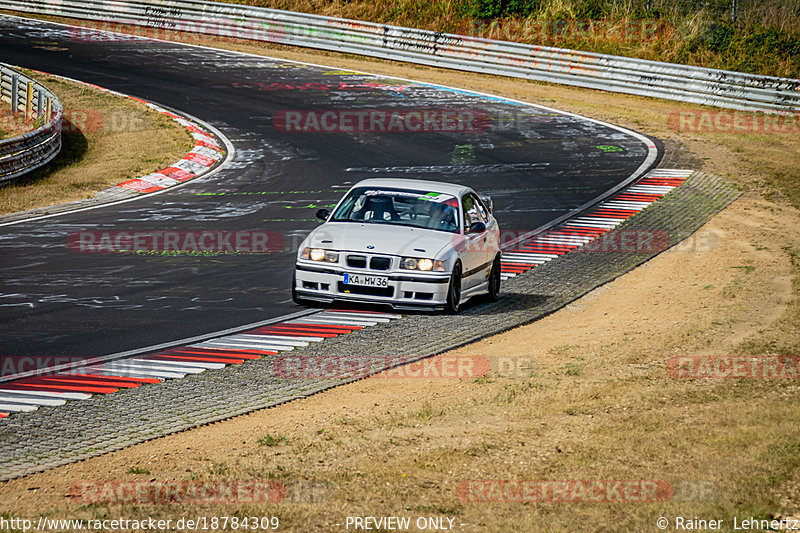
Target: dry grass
765, 39
106, 140
14, 124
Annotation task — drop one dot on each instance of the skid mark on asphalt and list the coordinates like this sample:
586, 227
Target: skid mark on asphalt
30, 393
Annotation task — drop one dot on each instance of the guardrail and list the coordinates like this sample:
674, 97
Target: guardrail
720, 88
26, 98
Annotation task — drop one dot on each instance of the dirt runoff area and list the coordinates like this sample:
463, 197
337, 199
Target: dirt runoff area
639, 407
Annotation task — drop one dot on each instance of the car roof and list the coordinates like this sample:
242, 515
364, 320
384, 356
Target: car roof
421, 185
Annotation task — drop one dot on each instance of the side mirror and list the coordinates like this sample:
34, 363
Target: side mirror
323, 214
477, 227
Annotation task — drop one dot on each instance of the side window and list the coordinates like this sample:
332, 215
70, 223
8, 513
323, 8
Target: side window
468, 205
482, 210
473, 211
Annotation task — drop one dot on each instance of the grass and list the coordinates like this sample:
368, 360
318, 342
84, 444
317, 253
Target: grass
574, 368
14, 124
272, 440
96, 125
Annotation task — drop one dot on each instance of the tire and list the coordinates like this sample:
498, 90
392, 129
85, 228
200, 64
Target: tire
494, 281
454, 291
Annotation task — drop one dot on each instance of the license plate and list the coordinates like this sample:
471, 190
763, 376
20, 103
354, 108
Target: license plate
366, 281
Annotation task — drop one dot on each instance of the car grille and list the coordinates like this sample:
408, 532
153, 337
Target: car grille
375, 262
357, 261
380, 263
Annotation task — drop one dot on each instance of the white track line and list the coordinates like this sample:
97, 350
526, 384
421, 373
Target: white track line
182, 364
31, 400
137, 373
17, 407
47, 394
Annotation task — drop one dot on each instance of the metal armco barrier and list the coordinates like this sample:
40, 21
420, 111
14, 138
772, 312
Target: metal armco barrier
720, 88
24, 97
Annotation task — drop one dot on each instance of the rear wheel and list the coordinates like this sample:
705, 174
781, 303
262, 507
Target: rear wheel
494, 280
454, 291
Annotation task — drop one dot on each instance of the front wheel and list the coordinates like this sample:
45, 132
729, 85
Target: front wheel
494, 280
454, 291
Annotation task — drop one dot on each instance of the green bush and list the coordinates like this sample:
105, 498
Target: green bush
489, 9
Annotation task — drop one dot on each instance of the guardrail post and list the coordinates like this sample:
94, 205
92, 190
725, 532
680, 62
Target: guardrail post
25, 152
14, 90
735, 10
29, 100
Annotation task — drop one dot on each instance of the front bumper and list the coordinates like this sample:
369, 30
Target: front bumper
406, 289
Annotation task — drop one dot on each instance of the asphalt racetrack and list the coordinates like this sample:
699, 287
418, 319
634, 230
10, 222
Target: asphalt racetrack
302, 134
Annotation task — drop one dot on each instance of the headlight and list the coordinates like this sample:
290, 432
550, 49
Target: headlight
409, 263
318, 254
412, 263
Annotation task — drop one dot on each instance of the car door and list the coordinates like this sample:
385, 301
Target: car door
492, 237
474, 254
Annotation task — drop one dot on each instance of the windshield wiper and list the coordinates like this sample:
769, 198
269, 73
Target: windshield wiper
396, 223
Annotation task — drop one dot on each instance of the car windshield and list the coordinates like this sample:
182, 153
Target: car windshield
419, 209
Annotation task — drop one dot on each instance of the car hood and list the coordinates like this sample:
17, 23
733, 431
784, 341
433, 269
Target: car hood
386, 239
